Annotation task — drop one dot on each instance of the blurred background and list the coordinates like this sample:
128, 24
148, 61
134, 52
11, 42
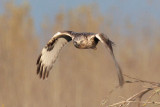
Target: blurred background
79, 78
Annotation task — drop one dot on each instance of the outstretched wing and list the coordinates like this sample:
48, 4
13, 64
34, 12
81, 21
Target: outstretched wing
108, 44
50, 53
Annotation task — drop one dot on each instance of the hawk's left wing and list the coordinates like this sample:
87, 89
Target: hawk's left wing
50, 52
108, 44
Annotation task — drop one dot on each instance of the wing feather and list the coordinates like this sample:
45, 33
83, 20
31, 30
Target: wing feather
108, 44
50, 53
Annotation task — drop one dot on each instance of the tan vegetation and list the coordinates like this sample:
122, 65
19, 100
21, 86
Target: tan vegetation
76, 80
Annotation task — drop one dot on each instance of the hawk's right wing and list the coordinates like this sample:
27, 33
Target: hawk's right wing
50, 52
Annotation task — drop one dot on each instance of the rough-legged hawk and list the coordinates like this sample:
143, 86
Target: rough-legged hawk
80, 40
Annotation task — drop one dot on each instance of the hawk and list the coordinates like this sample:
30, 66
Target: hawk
84, 40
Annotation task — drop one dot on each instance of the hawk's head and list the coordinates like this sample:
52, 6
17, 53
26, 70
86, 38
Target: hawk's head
80, 41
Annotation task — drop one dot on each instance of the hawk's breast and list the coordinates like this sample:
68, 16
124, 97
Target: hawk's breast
86, 43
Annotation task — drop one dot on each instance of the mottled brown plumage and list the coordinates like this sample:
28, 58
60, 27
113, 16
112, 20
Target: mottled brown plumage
81, 41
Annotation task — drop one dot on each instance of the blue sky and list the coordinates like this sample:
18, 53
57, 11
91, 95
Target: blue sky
130, 8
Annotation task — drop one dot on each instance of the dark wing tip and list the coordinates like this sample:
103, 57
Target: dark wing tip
38, 67
41, 69
38, 60
120, 76
38, 63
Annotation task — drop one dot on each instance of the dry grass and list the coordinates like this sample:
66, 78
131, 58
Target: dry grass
151, 91
77, 80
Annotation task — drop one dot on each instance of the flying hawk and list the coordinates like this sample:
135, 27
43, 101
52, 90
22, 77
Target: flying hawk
83, 40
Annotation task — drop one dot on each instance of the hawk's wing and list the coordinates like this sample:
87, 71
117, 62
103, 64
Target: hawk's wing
50, 53
108, 44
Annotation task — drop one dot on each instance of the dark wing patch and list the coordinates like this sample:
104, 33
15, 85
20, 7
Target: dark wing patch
52, 42
49, 55
108, 44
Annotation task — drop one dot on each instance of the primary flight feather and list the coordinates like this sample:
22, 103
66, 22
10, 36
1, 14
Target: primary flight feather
82, 40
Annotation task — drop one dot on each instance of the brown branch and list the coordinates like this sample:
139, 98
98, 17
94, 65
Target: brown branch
150, 97
138, 96
142, 102
132, 99
139, 80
